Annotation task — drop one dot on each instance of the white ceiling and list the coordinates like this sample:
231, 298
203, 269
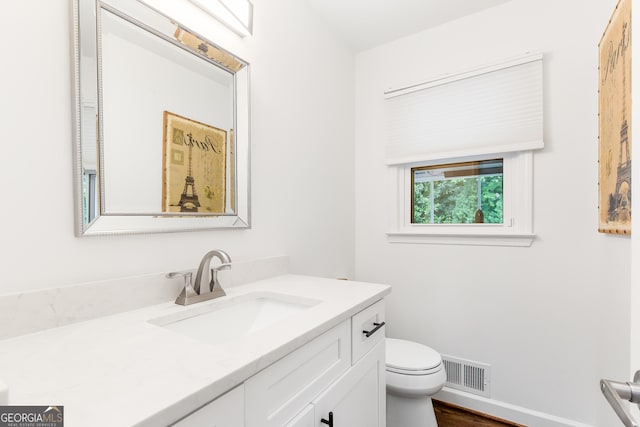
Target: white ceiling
363, 24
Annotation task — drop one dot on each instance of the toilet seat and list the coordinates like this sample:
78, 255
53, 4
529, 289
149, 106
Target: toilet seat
411, 358
416, 373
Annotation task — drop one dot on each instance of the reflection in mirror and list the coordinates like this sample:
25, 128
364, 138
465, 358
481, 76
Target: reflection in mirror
162, 122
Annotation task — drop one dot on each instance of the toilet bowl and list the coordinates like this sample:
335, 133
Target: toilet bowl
414, 372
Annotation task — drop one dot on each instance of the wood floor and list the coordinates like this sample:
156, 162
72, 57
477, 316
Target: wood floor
449, 415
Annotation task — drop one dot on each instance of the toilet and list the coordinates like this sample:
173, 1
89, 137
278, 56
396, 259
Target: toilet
414, 372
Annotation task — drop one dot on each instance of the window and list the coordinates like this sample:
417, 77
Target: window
458, 193
89, 195
460, 155
439, 201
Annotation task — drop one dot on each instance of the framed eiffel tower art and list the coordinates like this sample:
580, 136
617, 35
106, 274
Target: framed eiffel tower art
614, 123
194, 167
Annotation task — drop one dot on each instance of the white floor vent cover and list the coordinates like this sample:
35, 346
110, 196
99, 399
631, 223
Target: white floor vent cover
469, 376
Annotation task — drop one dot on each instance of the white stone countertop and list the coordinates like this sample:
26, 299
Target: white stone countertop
121, 370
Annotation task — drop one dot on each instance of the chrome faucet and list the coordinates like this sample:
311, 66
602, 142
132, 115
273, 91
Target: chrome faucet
193, 293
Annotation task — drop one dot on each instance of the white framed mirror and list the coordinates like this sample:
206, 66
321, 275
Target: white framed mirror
161, 124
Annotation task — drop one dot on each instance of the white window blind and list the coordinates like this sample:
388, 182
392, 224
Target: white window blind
495, 109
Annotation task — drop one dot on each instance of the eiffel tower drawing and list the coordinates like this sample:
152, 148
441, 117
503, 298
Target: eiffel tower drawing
620, 201
189, 199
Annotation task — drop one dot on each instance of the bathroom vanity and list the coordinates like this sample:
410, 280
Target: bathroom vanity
339, 373
285, 351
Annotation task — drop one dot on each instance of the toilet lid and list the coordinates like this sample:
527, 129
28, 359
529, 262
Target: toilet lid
410, 356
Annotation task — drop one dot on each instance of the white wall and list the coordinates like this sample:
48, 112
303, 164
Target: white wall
551, 319
302, 142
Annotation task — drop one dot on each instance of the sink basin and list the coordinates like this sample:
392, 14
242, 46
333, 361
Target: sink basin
232, 318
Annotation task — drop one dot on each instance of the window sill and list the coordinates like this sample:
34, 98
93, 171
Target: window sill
462, 238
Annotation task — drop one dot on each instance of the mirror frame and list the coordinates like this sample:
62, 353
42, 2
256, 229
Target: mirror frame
88, 86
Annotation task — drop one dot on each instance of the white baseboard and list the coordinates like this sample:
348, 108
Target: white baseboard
503, 410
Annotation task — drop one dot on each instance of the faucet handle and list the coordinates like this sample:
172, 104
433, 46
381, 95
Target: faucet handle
214, 284
186, 274
223, 266
188, 293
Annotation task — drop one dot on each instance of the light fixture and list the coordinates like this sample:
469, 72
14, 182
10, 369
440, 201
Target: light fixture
237, 15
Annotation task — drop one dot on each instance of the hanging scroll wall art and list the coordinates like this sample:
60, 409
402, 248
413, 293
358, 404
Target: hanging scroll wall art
614, 123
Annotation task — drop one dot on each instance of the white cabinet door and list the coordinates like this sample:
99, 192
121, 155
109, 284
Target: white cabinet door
225, 411
278, 393
358, 398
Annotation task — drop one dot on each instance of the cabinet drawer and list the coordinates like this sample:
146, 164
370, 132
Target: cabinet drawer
367, 320
278, 393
